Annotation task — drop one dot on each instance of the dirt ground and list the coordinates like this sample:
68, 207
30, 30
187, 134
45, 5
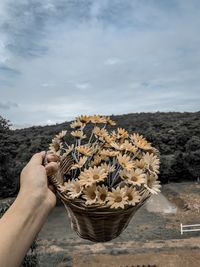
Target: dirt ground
151, 239
166, 259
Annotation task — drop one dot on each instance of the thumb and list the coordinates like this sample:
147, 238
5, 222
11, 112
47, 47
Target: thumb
37, 159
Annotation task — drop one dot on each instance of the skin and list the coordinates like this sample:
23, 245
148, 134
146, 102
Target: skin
22, 222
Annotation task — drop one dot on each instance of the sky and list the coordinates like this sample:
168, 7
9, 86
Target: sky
63, 58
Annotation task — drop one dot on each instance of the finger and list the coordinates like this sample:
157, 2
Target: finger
37, 159
51, 168
52, 158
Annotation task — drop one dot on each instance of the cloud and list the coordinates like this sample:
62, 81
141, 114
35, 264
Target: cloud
8, 105
3, 54
62, 58
26, 23
82, 86
48, 84
7, 75
111, 61
4, 70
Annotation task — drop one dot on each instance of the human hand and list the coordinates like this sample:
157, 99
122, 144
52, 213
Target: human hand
26, 216
34, 185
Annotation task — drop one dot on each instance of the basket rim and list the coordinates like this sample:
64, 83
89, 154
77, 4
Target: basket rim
79, 204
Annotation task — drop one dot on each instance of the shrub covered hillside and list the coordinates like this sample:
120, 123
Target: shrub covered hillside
176, 135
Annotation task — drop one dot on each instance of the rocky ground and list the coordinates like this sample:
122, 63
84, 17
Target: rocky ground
152, 238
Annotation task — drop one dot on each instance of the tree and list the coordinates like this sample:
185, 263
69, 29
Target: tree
4, 124
166, 172
179, 167
7, 178
192, 156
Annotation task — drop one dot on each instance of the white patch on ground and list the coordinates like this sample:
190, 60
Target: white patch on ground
159, 203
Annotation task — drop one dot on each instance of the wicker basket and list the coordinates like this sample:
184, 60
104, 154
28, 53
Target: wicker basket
103, 159
95, 223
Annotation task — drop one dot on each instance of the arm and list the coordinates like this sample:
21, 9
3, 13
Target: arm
24, 219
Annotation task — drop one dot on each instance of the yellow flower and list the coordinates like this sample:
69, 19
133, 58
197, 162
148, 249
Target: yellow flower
140, 141
63, 188
139, 164
125, 162
152, 162
96, 130
128, 146
110, 121
122, 133
116, 146
104, 158
136, 136
109, 139
61, 135
83, 118
77, 125
92, 175
117, 198
154, 151
102, 192
96, 161
56, 146
134, 177
97, 119
152, 185
104, 133
74, 189
80, 164
107, 167
114, 135
90, 194
133, 195
68, 150
100, 132
78, 134
109, 153
85, 150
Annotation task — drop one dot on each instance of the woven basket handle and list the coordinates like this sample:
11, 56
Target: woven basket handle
65, 165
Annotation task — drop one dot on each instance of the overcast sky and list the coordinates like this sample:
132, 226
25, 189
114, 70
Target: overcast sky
62, 58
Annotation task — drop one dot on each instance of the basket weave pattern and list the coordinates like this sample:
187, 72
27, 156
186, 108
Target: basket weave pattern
98, 224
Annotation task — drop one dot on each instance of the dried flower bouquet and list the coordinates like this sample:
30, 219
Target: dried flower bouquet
104, 172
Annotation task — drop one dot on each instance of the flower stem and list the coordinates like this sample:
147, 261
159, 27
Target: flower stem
114, 179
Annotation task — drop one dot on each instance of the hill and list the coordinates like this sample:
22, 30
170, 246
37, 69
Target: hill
175, 135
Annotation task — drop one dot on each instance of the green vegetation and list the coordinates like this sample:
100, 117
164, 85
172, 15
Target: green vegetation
176, 135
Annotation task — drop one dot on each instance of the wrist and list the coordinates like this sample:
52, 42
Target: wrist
35, 201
